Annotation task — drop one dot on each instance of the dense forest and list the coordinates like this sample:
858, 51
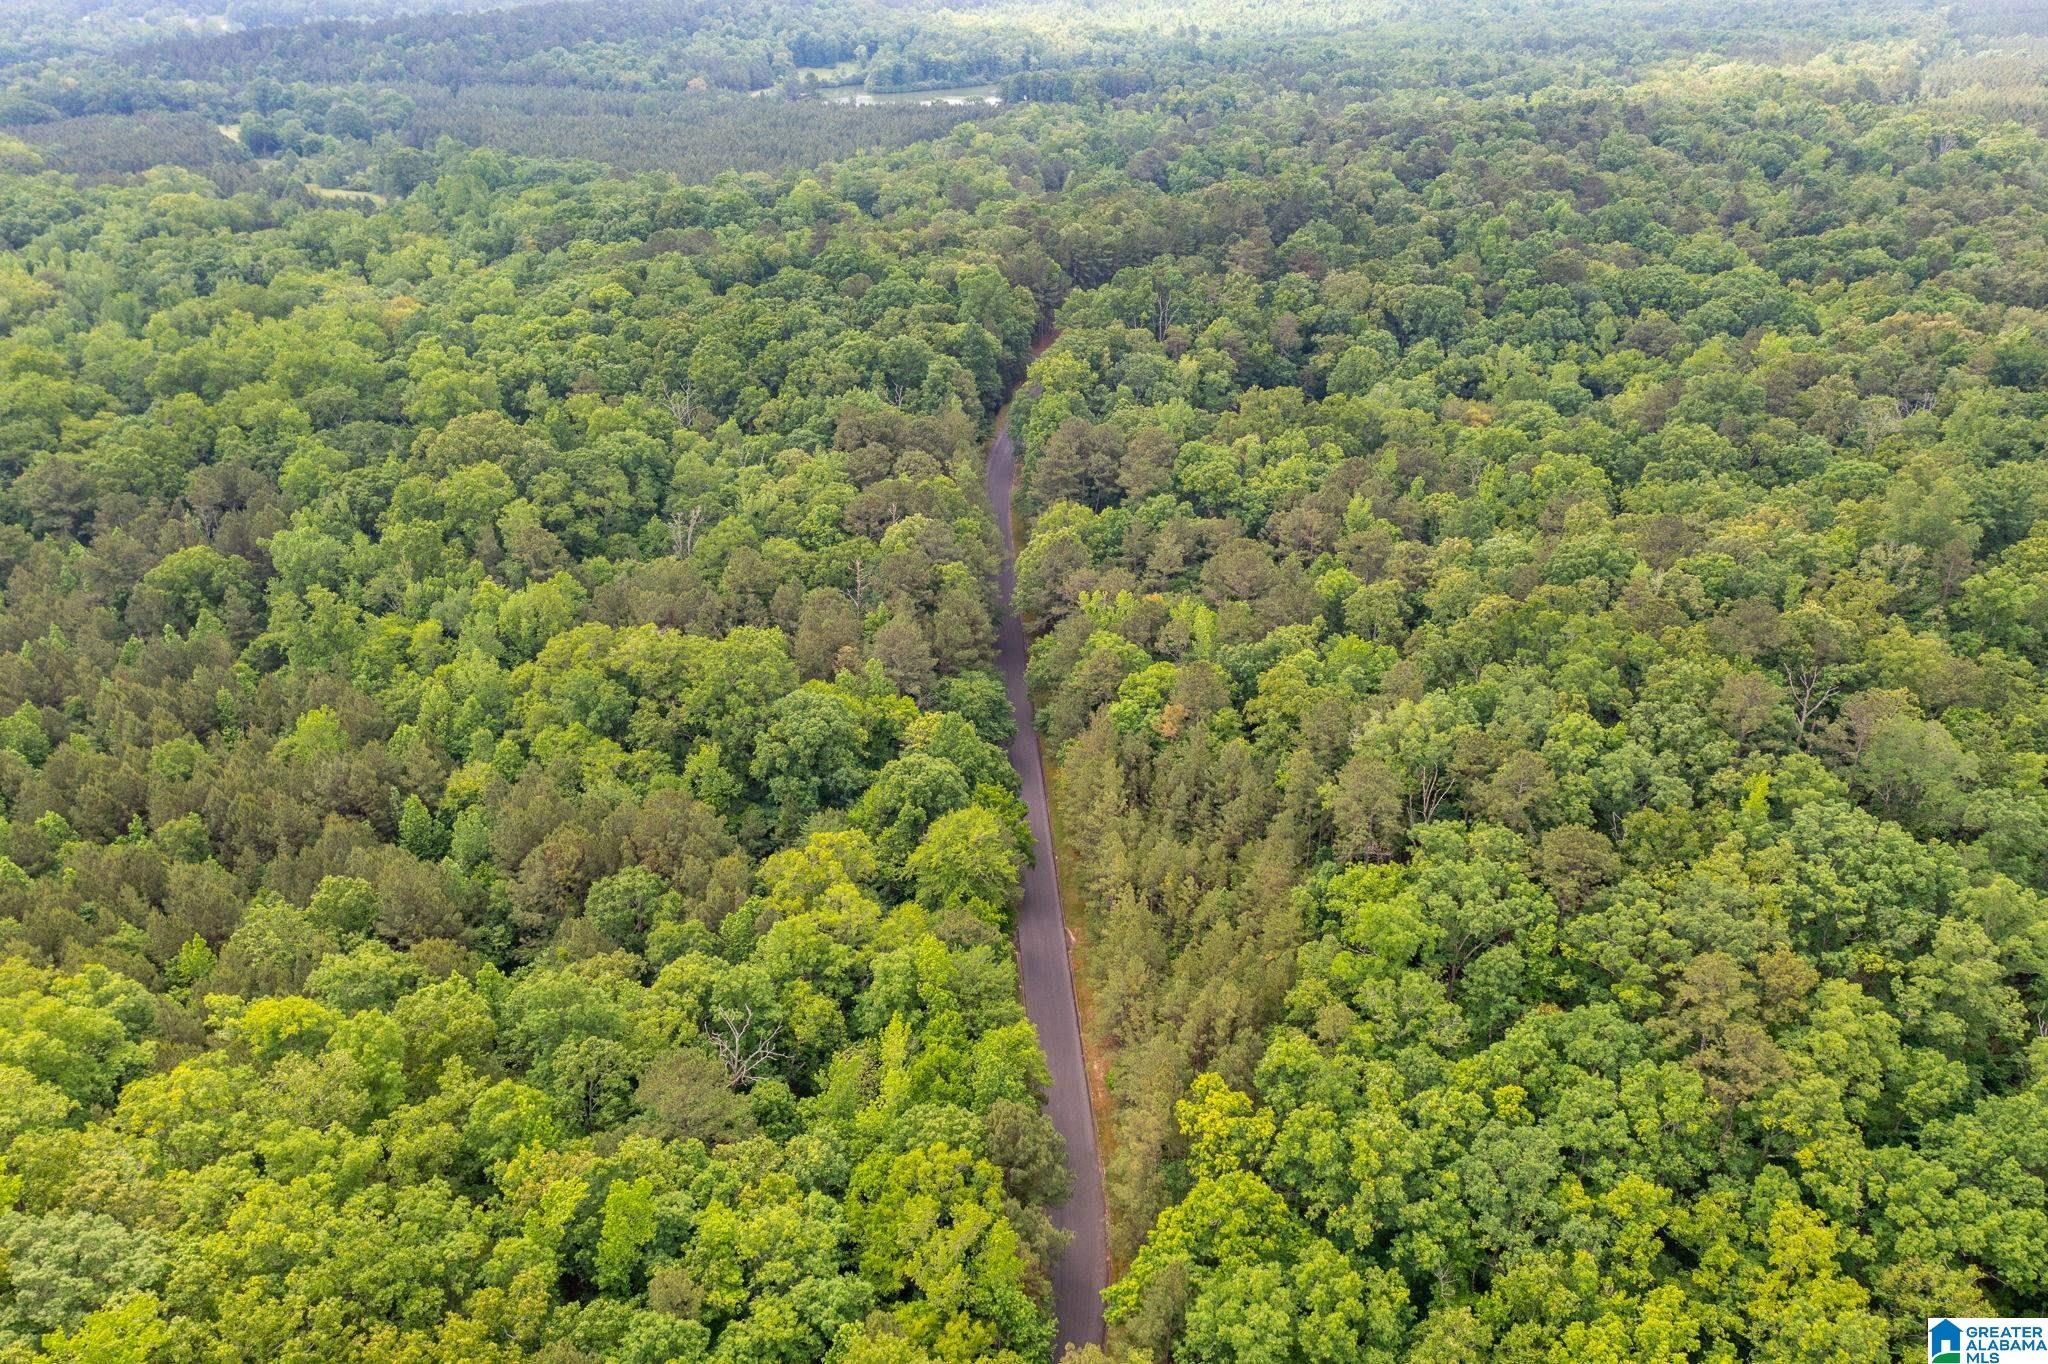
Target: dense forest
1545, 653
506, 843
1535, 524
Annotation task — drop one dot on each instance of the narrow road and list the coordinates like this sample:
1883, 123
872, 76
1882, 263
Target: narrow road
1081, 1274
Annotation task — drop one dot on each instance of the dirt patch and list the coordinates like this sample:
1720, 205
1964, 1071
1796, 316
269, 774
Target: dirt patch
357, 196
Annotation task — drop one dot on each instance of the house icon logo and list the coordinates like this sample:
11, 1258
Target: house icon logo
1944, 1343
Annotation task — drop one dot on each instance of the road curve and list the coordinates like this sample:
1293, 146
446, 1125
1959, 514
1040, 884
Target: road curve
1080, 1275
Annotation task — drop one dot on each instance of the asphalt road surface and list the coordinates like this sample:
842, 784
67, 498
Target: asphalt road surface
1083, 1271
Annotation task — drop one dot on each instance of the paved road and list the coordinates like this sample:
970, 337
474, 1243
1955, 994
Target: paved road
1081, 1274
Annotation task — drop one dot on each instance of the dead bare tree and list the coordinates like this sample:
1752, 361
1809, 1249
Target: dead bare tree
682, 406
743, 1063
682, 535
1810, 692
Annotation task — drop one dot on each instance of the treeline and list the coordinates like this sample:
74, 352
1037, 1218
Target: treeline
629, 84
113, 144
603, 44
694, 137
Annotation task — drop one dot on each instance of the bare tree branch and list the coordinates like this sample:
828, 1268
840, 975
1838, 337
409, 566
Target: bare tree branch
682, 535
682, 406
743, 1063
